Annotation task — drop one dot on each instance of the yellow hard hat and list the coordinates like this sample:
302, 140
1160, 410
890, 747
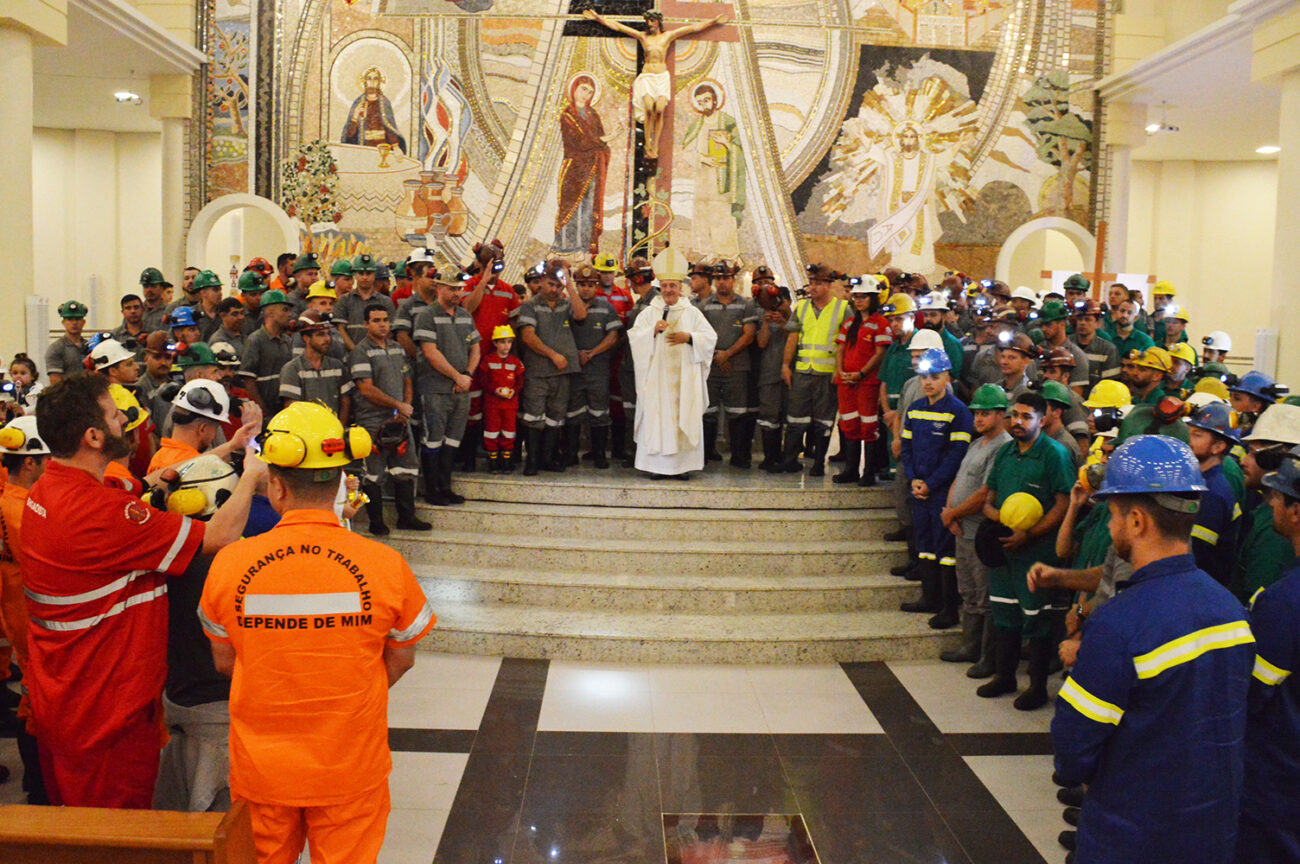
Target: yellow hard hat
899, 304
502, 331
320, 289
126, 402
1109, 394
1183, 351
605, 263
1020, 512
1154, 357
1178, 312
308, 435
1164, 287
1091, 471
1213, 386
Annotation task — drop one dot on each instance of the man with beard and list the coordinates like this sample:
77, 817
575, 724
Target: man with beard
1124, 331
720, 174
808, 367
934, 313
1053, 319
152, 284
95, 559
550, 354
735, 320
1263, 553
1144, 372
1214, 535
371, 121
1103, 356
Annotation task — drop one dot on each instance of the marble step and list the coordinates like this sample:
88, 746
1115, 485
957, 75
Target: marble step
653, 523
718, 488
798, 557
723, 595
558, 632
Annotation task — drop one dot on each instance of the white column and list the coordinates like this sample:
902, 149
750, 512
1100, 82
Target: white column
173, 197
1121, 159
1286, 251
16, 244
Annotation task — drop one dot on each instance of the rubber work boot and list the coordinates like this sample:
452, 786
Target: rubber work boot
446, 457
771, 451
929, 601
1040, 659
711, 453
432, 480
1006, 657
467, 453
868, 474
506, 460
984, 666
740, 437
533, 449
617, 437
821, 439
375, 509
494, 462
599, 440
852, 456
404, 496
948, 597
790, 463
550, 458
969, 650
572, 440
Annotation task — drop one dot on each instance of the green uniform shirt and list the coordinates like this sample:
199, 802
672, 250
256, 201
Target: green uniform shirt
1152, 398
956, 353
1261, 556
1135, 341
1044, 470
895, 369
1236, 479
1094, 538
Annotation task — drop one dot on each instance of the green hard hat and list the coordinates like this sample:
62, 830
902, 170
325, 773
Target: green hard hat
73, 309
1053, 310
274, 296
1213, 369
341, 267
251, 280
207, 279
1291, 400
399, 270
989, 397
152, 276
1077, 283
1036, 334
363, 263
305, 261
1055, 391
198, 354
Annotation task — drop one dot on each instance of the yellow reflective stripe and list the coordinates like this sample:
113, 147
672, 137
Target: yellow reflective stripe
960, 436
1191, 646
1088, 705
1236, 512
1250, 604
907, 433
1200, 532
936, 416
1266, 673
816, 347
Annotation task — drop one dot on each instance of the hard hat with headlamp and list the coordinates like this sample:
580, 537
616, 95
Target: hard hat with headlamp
204, 484
1217, 341
1261, 386
1026, 294
933, 361
205, 398
899, 304
109, 352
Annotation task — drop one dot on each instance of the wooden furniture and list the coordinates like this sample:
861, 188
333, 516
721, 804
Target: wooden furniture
82, 835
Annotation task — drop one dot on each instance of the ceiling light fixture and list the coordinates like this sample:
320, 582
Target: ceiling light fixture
127, 97
1153, 128
1268, 149
1163, 125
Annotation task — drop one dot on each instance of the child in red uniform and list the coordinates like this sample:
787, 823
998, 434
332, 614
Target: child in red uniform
861, 347
503, 376
490, 300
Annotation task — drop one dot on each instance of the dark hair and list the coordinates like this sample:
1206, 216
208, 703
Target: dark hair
852, 333
371, 308
228, 305
309, 485
21, 359
283, 258
129, 298
1034, 401
189, 267
654, 16
703, 87
1172, 524
13, 462
65, 411
415, 269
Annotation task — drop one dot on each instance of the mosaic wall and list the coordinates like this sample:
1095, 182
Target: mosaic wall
914, 132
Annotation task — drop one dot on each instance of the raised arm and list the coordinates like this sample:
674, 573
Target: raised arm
698, 27
593, 15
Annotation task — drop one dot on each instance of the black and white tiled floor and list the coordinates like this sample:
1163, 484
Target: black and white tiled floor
530, 761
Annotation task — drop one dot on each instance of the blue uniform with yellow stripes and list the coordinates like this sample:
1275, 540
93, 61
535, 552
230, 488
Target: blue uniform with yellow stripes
934, 441
1214, 536
1153, 719
1270, 802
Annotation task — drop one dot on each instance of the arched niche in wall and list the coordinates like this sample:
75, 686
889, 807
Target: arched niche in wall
1076, 234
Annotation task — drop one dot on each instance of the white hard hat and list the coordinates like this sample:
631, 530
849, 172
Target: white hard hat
867, 284
1218, 341
205, 398
225, 353
19, 437
420, 256
205, 483
1023, 293
109, 352
933, 303
1051, 292
923, 340
1279, 422
1199, 400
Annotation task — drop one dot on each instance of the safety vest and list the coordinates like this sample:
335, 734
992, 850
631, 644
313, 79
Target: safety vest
817, 335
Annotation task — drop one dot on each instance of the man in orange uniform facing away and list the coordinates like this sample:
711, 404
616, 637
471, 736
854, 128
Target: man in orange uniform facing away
314, 624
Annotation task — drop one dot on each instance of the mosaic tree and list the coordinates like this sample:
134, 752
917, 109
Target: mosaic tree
230, 76
1063, 135
310, 185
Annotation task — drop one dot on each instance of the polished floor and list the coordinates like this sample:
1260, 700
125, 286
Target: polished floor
530, 761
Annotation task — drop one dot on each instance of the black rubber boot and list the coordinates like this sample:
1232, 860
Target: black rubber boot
1040, 659
432, 480
969, 650
375, 508
404, 496
1006, 657
821, 439
572, 439
771, 451
986, 665
617, 439
711, 453
868, 477
948, 596
790, 463
929, 601
467, 453
599, 440
446, 458
494, 462
852, 456
550, 457
740, 436
533, 450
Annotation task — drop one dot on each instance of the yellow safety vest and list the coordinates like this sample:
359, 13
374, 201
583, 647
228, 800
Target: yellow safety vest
817, 334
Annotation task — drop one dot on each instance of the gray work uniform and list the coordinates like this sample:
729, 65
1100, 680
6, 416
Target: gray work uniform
387, 367
1063, 437
1079, 375
121, 334
545, 400
1075, 418
64, 357
153, 319
972, 576
263, 358
337, 349
350, 311
589, 389
732, 388
221, 334
772, 392
177, 304
812, 394
985, 369
626, 366
207, 324
1103, 359
327, 386
453, 334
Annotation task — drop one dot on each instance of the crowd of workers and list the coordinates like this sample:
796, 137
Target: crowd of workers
1076, 483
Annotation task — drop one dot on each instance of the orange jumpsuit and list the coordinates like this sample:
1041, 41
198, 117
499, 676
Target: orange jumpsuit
309, 608
171, 452
13, 608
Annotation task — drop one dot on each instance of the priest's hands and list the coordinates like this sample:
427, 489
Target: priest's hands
660, 326
678, 337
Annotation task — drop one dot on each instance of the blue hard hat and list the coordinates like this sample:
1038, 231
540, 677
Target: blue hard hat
182, 316
1256, 384
1286, 479
1217, 418
933, 360
1154, 465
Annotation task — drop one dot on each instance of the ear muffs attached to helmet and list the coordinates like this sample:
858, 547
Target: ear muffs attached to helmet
187, 502
287, 450
12, 439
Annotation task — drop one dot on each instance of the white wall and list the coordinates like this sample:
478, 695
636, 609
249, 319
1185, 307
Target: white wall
96, 220
1048, 249
1208, 228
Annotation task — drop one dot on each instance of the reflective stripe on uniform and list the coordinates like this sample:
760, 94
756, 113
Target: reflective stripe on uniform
302, 604
1191, 646
1088, 705
1266, 673
936, 416
1200, 532
816, 347
73, 599
960, 436
416, 626
114, 610
211, 626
